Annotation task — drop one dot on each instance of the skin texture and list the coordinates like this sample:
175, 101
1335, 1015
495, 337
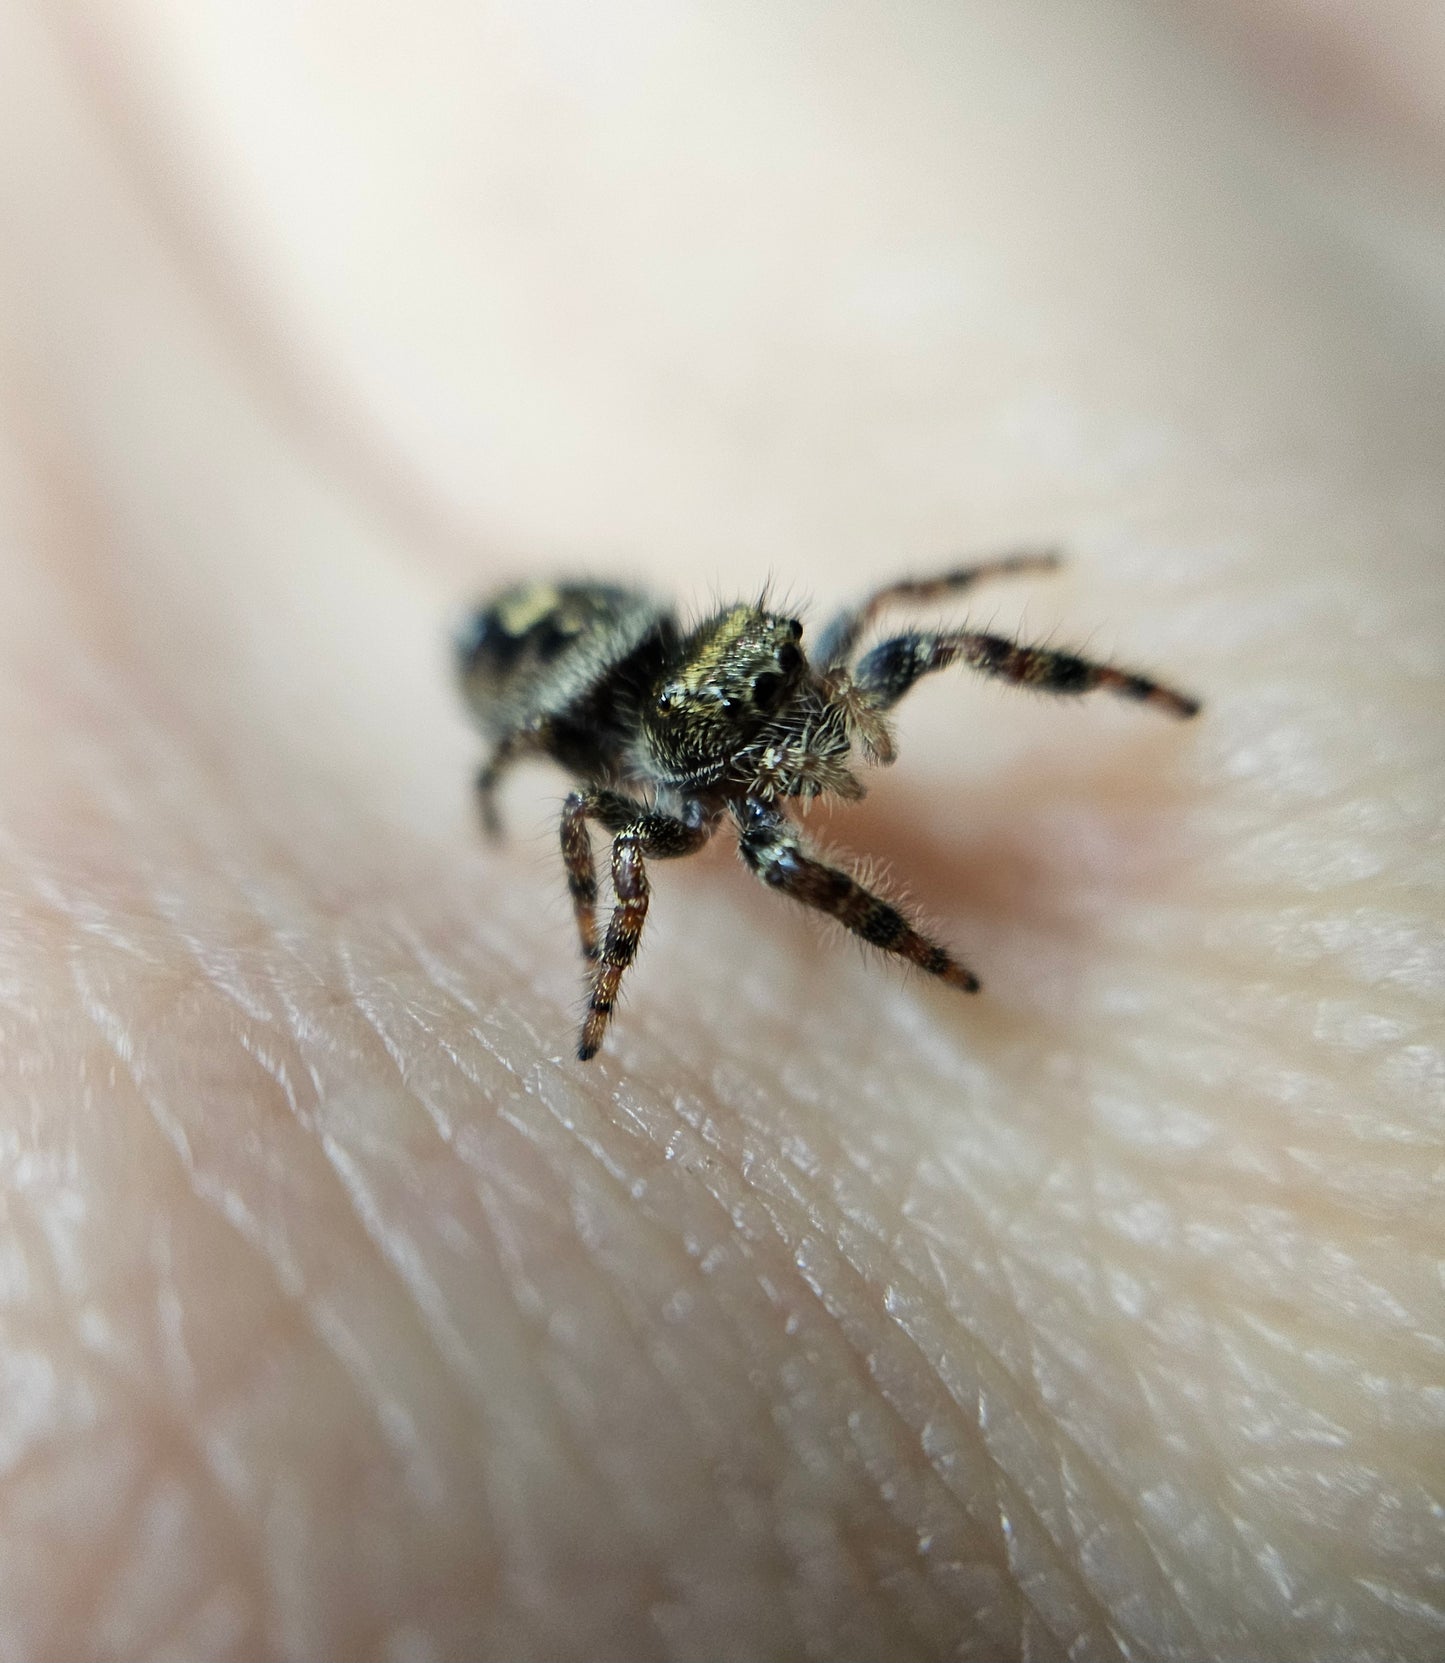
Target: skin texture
825, 1314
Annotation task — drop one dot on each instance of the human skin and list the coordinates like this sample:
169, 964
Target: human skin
826, 1313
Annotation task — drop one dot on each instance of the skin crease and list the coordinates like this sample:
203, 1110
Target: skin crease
826, 1314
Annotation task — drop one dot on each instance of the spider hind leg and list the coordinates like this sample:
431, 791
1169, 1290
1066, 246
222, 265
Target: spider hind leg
842, 633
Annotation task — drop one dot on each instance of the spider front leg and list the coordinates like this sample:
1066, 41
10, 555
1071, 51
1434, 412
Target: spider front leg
886, 673
639, 832
772, 849
836, 643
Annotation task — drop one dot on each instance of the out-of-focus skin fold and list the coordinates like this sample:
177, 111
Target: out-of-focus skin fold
825, 1315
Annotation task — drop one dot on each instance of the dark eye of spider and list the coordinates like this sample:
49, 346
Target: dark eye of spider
766, 688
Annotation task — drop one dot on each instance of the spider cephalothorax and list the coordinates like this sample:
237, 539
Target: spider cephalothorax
730, 681
669, 733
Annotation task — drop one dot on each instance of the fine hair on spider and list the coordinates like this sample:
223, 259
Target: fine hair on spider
671, 733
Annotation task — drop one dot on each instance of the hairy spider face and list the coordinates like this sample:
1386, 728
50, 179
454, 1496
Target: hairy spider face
730, 679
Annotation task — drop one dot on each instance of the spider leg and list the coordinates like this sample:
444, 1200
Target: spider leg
639, 832
489, 777
771, 848
581, 870
506, 751
617, 813
841, 635
890, 669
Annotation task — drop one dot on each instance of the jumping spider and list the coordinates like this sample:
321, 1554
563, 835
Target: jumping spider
669, 731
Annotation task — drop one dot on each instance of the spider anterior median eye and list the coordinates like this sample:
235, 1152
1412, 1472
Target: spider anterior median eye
767, 687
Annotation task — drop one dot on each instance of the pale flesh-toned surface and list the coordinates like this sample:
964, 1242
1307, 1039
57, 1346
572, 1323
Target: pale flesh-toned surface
827, 1314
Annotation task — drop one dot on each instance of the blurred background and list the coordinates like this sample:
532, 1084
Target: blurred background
329, 315
545, 279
